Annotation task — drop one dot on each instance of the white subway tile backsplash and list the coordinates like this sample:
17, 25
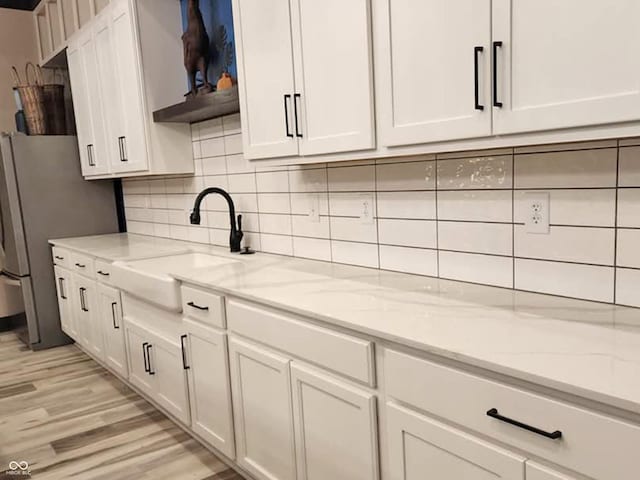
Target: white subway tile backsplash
568, 244
571, 169
475, 205
418, 205
469, 205
476, 173
408, 233
565, 279
476, 268
410, 260
491, 238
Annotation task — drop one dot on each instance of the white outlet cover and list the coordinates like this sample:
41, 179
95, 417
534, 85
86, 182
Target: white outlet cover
367, 206
537, 211
314, 209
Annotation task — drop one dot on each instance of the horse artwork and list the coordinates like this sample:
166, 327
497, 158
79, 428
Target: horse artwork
197, 53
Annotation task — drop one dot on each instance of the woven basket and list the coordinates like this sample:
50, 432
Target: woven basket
32, 97
54, 107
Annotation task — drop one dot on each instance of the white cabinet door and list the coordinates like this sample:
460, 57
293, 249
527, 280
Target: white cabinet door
262, 409
433, 73
169, 377
128, 132
336, 428
566, 64
64, 289
115, 351
266, 78
88, 316
137, 339
207, 365
539, 472
420, 448
334, 75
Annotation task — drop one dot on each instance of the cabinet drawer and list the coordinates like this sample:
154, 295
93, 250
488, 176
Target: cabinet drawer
204, 306
344, 354
83, 264
593, 444
103, 271
61, 257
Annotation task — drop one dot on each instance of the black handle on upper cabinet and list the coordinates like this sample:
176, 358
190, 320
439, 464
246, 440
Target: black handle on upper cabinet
287, 99
113, 315
122, 145
476, 77
92, 162
61, 283
493, 413
151, 372
193, 305
496, 45
144, 357
296, 97
184, 354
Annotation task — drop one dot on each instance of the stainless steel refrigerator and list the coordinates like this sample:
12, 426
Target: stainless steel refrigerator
42, 196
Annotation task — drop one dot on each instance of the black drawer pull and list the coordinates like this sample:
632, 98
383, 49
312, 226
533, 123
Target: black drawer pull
287, 99
83, 301
476, 74
496, 103
144, 357
63, 296
151, 372
184, 354
193, 305
113, 315
79, 265
493, 413
104, 274
58, 257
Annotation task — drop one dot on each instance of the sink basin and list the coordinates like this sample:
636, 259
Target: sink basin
149, 279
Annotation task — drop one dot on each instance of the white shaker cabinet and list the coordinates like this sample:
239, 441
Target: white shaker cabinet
434, 72
336, 428
420, 446
206, 361
306, 75
64, 289
536, 471
566, 64
262, 411
115, 352
87, 316
137, 340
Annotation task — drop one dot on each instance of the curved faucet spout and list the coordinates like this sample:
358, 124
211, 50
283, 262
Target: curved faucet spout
236, 235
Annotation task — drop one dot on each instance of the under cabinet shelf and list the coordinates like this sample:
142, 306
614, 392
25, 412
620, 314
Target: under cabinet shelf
202, 107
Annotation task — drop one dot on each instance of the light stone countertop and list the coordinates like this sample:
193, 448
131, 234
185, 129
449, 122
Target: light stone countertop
587, 349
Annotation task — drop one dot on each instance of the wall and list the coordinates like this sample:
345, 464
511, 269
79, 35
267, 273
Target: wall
457, 216
17, 46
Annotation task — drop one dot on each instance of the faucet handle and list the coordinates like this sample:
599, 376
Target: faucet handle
240, 223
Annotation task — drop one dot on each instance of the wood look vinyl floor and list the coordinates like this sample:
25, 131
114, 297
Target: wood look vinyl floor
70, 418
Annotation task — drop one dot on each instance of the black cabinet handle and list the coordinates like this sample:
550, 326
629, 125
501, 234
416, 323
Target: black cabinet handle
193, 305
122, 145
104, 274
493, 413
61, 283
83, 302
80, 265
184, 355
476, 77
113, 315
496, 103
296, 97
144, 357
58, 257
287, 99
92, 162
151, 372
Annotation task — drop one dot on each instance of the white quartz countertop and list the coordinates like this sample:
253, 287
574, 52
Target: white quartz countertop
587, 349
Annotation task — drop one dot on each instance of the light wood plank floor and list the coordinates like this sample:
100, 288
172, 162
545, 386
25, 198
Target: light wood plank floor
70, 418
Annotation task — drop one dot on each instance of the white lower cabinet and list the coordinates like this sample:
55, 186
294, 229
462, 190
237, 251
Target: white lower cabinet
539, 472
262, 411
421, 448
64, 288
137, 343
206, 361
336, 428
110, 307
87, 316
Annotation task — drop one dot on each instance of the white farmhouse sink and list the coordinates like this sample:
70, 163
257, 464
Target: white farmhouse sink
149, 279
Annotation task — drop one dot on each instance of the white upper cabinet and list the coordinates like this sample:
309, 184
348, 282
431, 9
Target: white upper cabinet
434, 79
566, 64
333, 102
305, 71
265, 61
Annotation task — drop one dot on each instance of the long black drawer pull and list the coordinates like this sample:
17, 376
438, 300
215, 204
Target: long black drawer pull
476, 77
184, 354
296, 97
496, 46
113, 315
287, 99
493, 413
151, 372
144, 357
63, 296
58, 257
104, 274
80, 265
193, 305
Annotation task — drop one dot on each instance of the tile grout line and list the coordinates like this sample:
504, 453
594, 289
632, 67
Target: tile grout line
615, 222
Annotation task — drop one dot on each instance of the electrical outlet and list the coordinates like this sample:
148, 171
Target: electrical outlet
314, 208
537, 212
366, 209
